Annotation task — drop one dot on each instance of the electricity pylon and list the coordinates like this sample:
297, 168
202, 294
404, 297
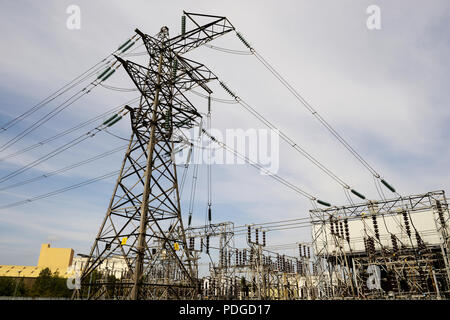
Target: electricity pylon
143, 223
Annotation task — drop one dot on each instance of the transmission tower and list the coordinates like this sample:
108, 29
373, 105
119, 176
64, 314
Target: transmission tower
143, 223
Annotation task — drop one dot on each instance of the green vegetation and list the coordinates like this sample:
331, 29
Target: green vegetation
50, 285
12, 287
46, 285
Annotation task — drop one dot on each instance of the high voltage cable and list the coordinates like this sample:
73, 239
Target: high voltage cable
209, 169
65, 189
83, 91
70, 130
66, 87
229, 101
65, 169
55, 111
49, 194
91, 133
50, 98
291, 142
316, 114
75, 97
275, 229
271, 174
239, 52
265, 223
48, 156
193, 186
118, 88
279, 224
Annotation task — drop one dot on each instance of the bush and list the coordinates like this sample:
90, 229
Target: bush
12, 287
6, 287
50, 285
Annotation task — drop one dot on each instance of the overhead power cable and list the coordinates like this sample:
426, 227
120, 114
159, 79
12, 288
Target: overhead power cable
290, 141
65, 169
91, 133
118, 88
208, 168
70, 130
74, 82
81, 78
49, 194
239, 52
322, 121
264, 170
271, 223
279, 229
58, 109
229, 101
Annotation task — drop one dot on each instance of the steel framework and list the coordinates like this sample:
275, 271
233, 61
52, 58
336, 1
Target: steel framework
143, 224
407, 269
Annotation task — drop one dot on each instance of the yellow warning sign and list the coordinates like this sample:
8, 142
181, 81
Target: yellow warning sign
176, 246
124, 241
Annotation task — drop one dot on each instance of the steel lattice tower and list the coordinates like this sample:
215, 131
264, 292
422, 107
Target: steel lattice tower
143, 224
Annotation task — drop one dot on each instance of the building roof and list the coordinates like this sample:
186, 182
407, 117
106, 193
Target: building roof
30, 271
56, 259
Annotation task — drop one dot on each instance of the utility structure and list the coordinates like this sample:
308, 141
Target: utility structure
396, 248
143, 223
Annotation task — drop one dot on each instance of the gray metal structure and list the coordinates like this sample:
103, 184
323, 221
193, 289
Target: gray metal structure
143, 223
405, 269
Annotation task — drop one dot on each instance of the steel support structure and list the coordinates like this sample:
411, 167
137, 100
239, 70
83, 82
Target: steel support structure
143, 223
407, 270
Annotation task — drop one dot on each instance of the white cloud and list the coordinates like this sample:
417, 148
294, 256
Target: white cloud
383, 90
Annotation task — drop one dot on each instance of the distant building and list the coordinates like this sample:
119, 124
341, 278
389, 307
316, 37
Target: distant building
56, 259
61, 260
115, 266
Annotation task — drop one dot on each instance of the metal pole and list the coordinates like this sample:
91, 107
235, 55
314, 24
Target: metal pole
436, 285
146, 193
89, 288
17, 284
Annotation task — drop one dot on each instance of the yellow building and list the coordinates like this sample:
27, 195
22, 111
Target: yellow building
56, 259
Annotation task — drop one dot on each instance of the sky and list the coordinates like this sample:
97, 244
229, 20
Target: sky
385, 91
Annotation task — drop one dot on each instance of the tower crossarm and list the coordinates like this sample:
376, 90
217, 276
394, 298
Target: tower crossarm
212, 28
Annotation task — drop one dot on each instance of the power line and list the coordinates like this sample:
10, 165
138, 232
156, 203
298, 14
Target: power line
290, 141
324, 123
49, 194
76, 81
103, 76
91, 133
65, 169
70, 130
226, 50
58, 109
71, 84
262, 169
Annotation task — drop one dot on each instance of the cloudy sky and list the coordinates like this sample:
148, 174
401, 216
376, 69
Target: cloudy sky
385, 91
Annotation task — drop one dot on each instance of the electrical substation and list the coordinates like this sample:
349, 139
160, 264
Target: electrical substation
396, 247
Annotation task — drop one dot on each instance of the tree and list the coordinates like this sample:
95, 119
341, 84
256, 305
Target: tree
111, 285
6, 287
20, 289
50, 285
10, 287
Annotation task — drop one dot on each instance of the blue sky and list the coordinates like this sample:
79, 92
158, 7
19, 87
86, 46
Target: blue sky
385, 91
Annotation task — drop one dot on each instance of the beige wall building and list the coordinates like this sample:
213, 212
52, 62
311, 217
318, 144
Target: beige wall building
56, 259
62, 260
